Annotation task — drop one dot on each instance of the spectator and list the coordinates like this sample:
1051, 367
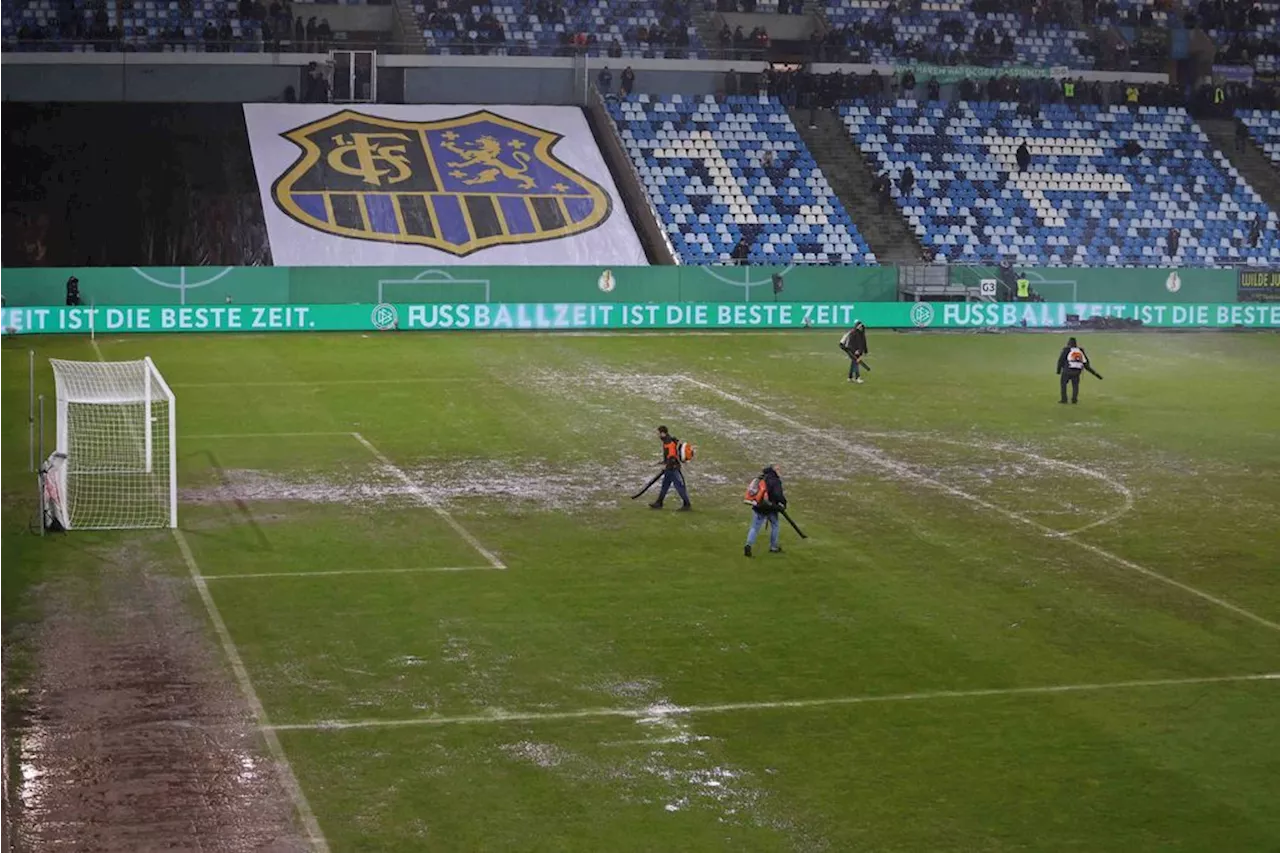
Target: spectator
1023, 156
884, 191
299, 38
1255, 232
1242, 135
767, 160
604, 80
628, 81
935, 90
1172, 241
907, 182
324, 35
311, 34
615, 49
1130, 149
742, 251
732, 83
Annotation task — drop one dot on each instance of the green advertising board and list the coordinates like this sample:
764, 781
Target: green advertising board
585, 316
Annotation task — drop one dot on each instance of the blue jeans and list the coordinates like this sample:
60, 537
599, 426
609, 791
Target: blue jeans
673, 477
757, 522
854, 372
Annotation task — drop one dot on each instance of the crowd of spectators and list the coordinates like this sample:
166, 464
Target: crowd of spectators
785, 7
455, 25
269, 27
806, 89
70, 24
957, 40
736, 44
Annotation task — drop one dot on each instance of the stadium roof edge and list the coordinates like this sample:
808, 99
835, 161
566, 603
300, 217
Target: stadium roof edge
389, 60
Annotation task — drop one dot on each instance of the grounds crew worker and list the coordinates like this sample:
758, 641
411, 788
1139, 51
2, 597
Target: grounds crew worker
1071, 363
766, 497
854, 344
673, 476
1024, 288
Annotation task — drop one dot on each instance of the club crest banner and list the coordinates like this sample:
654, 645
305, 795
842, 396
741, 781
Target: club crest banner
435, 184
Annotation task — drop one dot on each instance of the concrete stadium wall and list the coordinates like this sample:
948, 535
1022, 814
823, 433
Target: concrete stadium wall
316, 285
143, 82
241, 77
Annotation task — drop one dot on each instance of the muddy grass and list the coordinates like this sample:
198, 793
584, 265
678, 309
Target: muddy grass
135, 737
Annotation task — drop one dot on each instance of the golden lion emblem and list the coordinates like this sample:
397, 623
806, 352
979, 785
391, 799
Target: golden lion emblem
487, 156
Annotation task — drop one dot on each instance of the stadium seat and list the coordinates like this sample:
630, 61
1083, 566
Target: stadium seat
717, 154
1082, 202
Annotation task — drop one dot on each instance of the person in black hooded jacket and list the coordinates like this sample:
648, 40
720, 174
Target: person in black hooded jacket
1072, 362
854, 344
767, 500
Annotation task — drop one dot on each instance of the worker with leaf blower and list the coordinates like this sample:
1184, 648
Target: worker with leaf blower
767, 499
1072, 362
854, 344
674, 453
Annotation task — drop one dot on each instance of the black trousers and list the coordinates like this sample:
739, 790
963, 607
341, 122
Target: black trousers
1073, 377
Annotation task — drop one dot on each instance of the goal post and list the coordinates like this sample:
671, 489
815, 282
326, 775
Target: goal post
114, 465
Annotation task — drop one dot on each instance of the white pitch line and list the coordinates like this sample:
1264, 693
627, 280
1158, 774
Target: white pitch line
235, 435
300, 383
901, 471
283, 768
500, 716
1126, 494
426, 500
409, 571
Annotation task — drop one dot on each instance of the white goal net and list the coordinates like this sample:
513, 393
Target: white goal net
115, 461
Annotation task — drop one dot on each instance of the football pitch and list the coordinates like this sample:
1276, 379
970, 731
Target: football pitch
1015, 625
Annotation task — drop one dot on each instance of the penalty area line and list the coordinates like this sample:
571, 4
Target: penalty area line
303, 383
426, 500
651, 711
283, 768
235, 435
903, 472
337, 572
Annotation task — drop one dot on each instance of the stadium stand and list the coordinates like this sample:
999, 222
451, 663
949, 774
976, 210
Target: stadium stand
732, 180
950, 33
614, 28
171, 26
1106, 186
1264, 128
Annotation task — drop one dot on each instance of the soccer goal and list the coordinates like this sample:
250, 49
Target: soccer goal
114, 465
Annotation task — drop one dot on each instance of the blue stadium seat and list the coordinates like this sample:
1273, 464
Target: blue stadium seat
1081, 202
724, 188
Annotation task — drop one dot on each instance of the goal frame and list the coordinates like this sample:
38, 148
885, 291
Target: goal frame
151, 374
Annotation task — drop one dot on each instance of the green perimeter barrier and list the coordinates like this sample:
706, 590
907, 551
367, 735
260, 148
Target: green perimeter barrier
596, 316
467, 284
1100, 284
454, 284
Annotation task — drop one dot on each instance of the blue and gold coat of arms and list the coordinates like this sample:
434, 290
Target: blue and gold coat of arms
458, 185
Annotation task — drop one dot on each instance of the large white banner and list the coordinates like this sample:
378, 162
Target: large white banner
390, 185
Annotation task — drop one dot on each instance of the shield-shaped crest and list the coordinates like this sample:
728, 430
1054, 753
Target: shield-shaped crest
458, 185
